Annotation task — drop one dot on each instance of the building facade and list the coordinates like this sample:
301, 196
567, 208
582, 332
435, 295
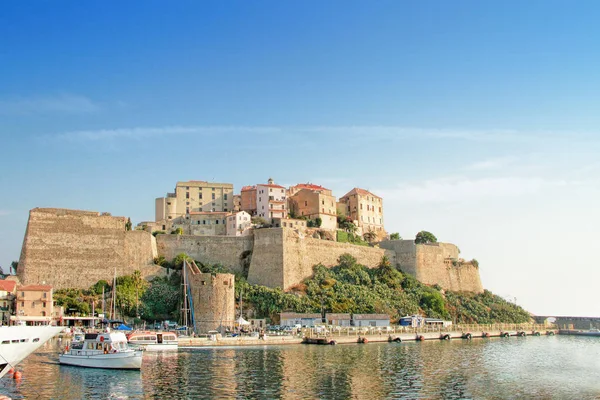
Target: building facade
271, 201
34, 305
366, 209
7, 300
313, 201
248, 199
239, 224
194, 196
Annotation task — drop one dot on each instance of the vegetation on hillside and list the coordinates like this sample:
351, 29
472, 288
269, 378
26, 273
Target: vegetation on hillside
348, 287
424, 237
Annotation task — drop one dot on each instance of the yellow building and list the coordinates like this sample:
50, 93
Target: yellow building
34, 305
194, 196
313, 201
366, 209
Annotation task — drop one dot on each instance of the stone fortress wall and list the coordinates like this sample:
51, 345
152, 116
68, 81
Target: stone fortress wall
73, 248
213, 297
435, 264
69, 248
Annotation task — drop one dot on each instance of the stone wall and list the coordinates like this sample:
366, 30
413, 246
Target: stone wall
75, 249
213, 297
230, 251
283, 257
436, 264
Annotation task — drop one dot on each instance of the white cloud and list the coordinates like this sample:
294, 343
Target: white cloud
492, 163
145, 132
63, 103
462, 189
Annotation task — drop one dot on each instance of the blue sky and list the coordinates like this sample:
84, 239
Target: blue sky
475, 120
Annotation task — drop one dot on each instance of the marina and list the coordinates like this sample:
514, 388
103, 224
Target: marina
551, 367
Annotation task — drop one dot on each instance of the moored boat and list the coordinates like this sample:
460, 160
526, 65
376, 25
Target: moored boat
19, 341
153, 341
102, 350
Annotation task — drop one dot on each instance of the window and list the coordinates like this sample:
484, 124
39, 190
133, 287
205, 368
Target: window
213, 189
22, 294
43, 313
379, 209
44, 304
323, 202
225, 197
22, 304
361, 206
187, 195
217, 222
200, 195
305, 203
225, 283
213, 196
203, 283
270, 189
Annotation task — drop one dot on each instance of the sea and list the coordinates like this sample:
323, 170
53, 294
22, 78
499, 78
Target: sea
546, 367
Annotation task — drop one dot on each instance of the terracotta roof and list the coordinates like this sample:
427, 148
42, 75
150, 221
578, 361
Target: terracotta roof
271, 185
8, 286
246, 188
361, 192
370, 316
310, 186
35, 288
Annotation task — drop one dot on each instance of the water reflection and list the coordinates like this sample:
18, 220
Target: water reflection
554, 367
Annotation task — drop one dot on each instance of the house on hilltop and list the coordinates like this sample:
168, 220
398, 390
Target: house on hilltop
366, 209
313, 201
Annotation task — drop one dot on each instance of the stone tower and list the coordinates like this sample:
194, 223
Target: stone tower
213, 297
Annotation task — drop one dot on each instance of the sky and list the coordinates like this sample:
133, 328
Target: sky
475, 120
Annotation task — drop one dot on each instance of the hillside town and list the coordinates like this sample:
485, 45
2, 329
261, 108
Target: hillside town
213, 209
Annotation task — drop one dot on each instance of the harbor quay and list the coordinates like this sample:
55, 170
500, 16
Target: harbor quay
360, 335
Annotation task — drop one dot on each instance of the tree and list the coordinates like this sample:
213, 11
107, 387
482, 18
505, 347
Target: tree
178, 231
177, 262
425, 237
128, 224
156, 233
318, 222
395, 236
370, 236
13, 267
259, 221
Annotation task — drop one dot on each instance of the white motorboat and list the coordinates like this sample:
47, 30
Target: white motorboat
153, 341
19, 341
102, 350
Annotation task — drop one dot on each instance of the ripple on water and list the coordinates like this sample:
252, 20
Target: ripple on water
532, 367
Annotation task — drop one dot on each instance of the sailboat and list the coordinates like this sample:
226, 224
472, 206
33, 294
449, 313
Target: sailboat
187, 308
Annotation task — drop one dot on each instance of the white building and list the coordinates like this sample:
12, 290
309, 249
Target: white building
371, 319
294, 319
239, 224
271, 201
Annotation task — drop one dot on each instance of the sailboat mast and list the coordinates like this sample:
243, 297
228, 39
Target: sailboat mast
185, 299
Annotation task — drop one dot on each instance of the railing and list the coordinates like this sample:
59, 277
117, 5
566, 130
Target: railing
327, 331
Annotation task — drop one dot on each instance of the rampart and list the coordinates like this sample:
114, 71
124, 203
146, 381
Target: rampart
435, 264
213, 297
75, 249
282, 257
230, 251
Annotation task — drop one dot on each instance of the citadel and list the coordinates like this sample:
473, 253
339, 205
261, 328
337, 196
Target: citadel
270, 234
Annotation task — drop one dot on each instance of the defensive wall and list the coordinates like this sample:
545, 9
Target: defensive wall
213, 297
75, 249
72, 248
435, 264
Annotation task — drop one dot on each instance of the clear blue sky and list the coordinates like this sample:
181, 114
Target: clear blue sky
475, 120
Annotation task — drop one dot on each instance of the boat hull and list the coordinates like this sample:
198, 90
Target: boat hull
157, 346
23, 340
124, 360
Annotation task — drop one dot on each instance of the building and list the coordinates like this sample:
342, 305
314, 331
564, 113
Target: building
206, 223
298, 319
371, 320
237, 202
339, 319
248, 199
366, 209
239, 224
289, 223
7, 299
34, 305
194, 196
313, 202
271, 201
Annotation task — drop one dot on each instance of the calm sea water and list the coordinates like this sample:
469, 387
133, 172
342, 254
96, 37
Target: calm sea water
558, 367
